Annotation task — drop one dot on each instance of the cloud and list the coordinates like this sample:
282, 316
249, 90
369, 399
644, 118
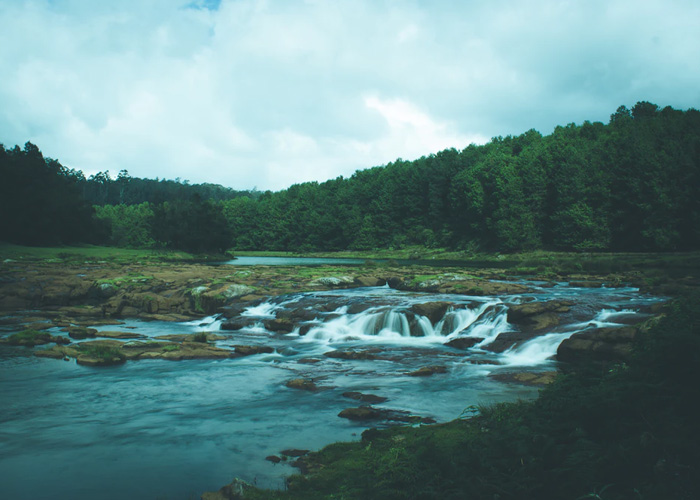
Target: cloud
268, 93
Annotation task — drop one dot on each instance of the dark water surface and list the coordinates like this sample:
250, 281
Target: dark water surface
158, 429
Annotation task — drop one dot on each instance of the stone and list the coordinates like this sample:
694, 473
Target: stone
601, 344
249, 350
80, 332
352, 355
273, 458
427, 371
365, 398
302, 384
434, 311
463, 343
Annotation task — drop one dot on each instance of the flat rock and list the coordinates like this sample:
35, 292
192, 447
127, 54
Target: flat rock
427, 371
463, 343
249, 350
302, 384
365, 398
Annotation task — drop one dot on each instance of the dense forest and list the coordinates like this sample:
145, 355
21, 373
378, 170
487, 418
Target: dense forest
627, 185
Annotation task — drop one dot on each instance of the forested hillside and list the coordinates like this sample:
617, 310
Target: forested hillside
627, 185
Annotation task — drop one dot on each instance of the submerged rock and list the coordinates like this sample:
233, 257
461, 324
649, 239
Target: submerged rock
302, 384
369, 413
427, 371
463, 343
352, 355
249, 350
293, 452
365, 398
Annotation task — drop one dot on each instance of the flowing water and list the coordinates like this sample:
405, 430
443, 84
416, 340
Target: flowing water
158, 429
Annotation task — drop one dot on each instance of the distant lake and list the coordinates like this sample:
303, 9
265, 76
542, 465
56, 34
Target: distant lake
292, 261
321, 261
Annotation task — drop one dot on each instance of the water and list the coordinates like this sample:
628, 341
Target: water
170, 430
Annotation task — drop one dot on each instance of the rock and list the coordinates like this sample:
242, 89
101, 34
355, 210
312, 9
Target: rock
536, 379
365, 398
434, 311
522, 313
119, 335
586, 284
249, 350
333, 281
427, 371
601, 344
353, 355
31, 338
369, 413
369, 281
238, 323
236, 490
273, 458
463, 343
538, 316
302, 384
361, 413
87, 360
279, 325
80, 332
506, 340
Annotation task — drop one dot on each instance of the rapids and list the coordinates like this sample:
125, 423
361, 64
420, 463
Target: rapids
163, 429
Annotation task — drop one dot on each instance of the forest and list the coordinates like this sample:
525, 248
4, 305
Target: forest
628, 185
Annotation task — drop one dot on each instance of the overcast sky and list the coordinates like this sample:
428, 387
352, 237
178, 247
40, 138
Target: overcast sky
254, 93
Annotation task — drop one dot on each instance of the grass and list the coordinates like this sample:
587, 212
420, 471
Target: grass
612, 432
102, 352
90, 253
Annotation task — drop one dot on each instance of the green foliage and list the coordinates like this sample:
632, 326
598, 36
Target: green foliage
102, 352
40, 201
200, 337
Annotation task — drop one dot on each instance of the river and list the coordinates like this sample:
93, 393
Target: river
158, 429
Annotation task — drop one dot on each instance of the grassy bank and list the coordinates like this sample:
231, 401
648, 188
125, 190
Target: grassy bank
625, 431
97, 253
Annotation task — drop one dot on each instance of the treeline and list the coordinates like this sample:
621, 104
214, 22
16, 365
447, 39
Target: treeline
41, 202
629, 185
44, 203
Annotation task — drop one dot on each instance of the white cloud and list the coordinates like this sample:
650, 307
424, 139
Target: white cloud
268, 93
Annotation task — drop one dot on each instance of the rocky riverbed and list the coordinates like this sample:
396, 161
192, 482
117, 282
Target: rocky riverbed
278, 358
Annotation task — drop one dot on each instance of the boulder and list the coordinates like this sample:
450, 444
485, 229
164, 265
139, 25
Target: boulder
369, 281
279, 325
352, 355
249, 350
302, 384
365, 398
463, 343
538, 316
434, 311
601, 344
80, 332
427, 371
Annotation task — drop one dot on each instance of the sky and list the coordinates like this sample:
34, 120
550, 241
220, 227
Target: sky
265, 94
